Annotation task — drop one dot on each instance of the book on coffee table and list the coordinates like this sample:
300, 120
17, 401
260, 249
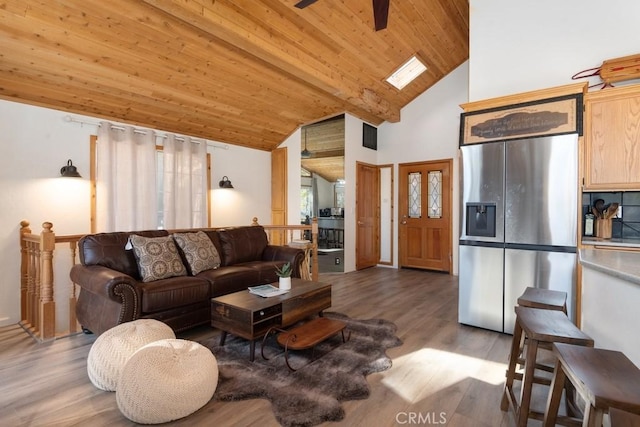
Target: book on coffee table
266, 291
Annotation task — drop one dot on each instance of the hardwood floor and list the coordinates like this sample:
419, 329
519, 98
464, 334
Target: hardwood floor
444, 373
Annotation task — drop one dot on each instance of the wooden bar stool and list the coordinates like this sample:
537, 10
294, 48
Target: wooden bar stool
604, 378
546, 299
339, 237
331, 238
537, 326
322, 237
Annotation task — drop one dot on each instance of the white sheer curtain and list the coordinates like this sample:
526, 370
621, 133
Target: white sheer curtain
125, 179
184, 183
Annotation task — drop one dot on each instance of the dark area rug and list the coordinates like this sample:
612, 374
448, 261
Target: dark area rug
332, 373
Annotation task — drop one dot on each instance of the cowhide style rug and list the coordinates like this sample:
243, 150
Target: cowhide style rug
332, 373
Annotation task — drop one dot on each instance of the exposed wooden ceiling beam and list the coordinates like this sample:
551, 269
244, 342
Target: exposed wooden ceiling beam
223, 19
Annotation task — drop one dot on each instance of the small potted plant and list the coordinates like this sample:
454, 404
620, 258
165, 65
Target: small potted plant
284, 275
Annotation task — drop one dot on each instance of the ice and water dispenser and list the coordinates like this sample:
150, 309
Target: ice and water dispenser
481, 219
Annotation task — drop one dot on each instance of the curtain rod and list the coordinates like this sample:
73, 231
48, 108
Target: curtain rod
70, 119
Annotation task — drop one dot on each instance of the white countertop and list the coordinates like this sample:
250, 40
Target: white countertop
620, 264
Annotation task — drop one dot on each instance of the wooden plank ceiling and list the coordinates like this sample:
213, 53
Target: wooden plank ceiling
325, 142
244, 72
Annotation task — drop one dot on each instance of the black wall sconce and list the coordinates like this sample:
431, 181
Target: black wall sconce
225, 183
70, 171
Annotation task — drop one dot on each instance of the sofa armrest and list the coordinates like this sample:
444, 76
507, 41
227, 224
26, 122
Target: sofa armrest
286, 254
101, 280
112, 285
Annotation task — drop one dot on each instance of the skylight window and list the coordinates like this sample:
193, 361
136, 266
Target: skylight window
407, 73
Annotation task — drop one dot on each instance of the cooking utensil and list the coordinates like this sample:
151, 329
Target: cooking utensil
599, 205
611, 210
595, 212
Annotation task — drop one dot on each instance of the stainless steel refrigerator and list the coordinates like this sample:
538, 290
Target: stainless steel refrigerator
519, 213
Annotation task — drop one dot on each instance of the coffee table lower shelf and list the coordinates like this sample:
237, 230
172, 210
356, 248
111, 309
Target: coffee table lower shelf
306, 336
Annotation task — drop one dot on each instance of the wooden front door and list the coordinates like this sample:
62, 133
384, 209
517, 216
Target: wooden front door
367, 216
424, 200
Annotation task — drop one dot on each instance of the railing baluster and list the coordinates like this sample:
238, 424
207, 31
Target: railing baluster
47, 303
74, 326
24, 271
33, 294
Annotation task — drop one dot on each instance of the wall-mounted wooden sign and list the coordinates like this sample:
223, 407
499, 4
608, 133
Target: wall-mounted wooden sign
545, 117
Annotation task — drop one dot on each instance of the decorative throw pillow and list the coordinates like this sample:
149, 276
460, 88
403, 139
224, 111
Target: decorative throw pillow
157, 257
198, 250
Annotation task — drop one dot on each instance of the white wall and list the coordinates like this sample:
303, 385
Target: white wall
386, 214
519, 45
250, 174
609, 312
428, 130
36, 143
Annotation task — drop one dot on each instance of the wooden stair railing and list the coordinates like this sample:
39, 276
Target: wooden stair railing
287, 234
37, 282
37, 297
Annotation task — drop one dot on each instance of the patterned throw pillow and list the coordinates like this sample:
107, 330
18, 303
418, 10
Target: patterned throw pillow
157, 257
199, 251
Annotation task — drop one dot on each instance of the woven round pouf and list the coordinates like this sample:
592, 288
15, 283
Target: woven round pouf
112, 349
166, 380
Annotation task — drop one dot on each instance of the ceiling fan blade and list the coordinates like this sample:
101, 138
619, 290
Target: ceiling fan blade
304, 3
380, 13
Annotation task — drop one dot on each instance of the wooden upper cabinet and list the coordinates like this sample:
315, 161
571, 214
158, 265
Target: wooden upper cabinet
612, 139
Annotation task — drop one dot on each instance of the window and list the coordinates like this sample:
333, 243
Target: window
338, 194
415, 195
159, 181
435, 194
306, 198
407, 73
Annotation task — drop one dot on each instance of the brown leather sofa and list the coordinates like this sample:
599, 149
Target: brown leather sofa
111, 290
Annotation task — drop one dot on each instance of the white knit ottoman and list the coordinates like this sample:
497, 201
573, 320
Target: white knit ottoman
112, 349
166, 380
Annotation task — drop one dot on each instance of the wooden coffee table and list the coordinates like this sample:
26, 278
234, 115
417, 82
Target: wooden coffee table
250, 316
